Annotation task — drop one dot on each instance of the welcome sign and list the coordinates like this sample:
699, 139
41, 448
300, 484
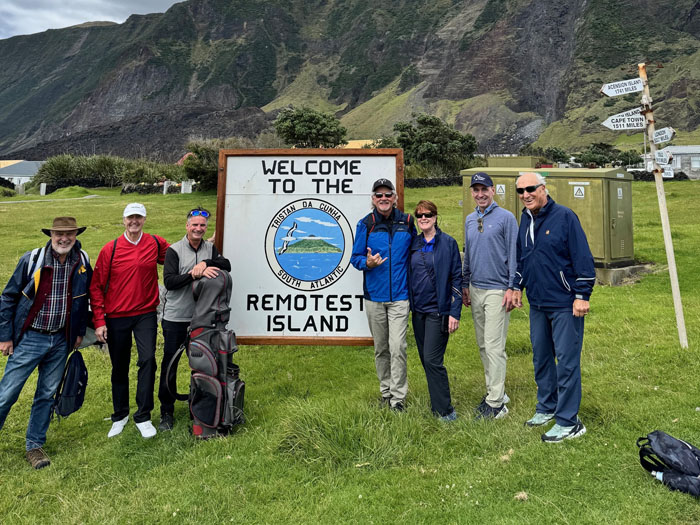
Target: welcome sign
286, 220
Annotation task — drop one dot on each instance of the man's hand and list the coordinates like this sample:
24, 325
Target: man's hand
78, 341
581, 307
6, 348
517, 298
452, 324
101, 334
198, 270
374, 260
210, 272
508, 300
466, 299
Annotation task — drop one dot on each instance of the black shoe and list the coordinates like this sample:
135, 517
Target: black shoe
385, 401
398, 407
166, 422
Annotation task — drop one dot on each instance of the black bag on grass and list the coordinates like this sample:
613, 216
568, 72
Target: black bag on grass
674, 462
71, 391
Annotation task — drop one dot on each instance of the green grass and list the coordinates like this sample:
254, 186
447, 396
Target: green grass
316, 448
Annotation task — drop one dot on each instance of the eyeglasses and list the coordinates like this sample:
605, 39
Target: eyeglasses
529, 189
199, 213
480, 221
427, 215
386, 195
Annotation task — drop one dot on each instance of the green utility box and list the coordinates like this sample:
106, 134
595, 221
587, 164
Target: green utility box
513, 162
602, 199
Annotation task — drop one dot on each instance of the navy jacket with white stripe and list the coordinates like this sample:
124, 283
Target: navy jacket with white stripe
555, 264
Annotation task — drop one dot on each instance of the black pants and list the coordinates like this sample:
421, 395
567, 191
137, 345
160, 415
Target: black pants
431, 339
119, 330
174, 335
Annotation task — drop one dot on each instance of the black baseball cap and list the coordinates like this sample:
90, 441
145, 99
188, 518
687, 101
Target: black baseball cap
383, 182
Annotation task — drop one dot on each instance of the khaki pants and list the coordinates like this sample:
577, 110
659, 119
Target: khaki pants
388, 323
491, 329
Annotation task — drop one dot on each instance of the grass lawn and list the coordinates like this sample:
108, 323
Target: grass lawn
316, 447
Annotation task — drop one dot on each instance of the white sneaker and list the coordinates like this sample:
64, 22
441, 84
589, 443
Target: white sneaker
147, 429
117, 427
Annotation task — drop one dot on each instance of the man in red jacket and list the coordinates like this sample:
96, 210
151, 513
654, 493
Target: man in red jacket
124, 296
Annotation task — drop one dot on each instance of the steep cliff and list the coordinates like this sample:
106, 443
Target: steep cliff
508, 71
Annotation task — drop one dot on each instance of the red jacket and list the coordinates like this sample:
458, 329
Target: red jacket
133, 279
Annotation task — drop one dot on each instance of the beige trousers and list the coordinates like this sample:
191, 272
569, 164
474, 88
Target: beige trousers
491, 329
388, 323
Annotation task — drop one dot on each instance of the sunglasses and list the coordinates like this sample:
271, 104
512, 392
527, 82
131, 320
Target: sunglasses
529, 189
480, 222
198, 213
386, 195
427, 215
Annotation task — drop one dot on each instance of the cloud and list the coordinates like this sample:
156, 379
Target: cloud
23, 17
322, 223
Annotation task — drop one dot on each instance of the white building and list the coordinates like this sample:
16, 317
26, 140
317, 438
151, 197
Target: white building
685, 159
21, 172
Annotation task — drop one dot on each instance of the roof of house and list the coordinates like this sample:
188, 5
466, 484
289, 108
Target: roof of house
681, 150
25, 168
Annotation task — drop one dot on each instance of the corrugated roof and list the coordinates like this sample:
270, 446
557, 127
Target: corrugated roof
680, 150
25, 168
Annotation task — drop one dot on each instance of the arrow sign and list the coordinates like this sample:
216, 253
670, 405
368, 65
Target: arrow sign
668, 173
622, 87
631, 119
662, 157
663, 135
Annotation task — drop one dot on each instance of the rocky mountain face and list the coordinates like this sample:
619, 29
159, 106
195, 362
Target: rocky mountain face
508, 71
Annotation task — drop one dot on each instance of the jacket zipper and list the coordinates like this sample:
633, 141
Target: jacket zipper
391, 279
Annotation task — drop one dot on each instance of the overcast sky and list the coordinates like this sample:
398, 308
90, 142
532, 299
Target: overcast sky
23, 17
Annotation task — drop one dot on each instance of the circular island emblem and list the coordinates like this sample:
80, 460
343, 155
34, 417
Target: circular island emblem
308, 244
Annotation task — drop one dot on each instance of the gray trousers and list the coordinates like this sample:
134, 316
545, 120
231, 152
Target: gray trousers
491, 328
388, 323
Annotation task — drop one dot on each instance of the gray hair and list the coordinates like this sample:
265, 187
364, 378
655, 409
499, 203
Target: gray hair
540, 179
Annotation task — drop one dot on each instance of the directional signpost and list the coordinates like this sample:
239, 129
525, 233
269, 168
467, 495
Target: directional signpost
631, 119
663, 135
623, 87
668, 173
662, 157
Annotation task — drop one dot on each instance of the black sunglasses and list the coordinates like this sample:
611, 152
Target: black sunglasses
198, 213
480, 221
529, 189
427, 215
387, 195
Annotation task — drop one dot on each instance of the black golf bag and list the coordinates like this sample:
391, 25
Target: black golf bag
216, 390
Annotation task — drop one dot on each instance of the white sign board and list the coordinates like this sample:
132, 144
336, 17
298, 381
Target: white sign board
289, 220
662, 157
579, 192
632, 119
500, 189
663, 135
668, 173
623, 87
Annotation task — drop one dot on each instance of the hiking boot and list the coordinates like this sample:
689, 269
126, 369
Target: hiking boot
398, 407
489, 412
558, 433
117, 427
37, 458
147, 429
539, 419
166, 422
452, 416
385, 402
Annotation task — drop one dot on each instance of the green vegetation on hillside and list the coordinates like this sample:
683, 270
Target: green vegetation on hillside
312, 246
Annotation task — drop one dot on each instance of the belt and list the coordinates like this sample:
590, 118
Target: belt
45, 332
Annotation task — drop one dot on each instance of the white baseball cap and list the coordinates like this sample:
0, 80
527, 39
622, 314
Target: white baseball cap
135, 208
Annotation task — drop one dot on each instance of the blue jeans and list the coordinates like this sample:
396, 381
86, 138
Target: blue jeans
557, 337
48, 353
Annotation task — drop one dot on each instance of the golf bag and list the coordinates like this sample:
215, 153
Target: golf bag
216, 390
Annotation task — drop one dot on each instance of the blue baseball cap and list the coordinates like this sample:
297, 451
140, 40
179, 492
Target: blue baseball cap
481, 178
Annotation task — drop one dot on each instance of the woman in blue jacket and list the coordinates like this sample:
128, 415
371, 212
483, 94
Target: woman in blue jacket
435, 293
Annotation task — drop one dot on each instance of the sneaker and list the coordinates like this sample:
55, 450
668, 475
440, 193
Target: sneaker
117, 427
506, 399
147, 429
37, 458
489, 412
452, 416
385, 402
398, 407
539, 419
558, 433
166, 422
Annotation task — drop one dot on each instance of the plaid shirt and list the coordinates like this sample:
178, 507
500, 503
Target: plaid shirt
52, 315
